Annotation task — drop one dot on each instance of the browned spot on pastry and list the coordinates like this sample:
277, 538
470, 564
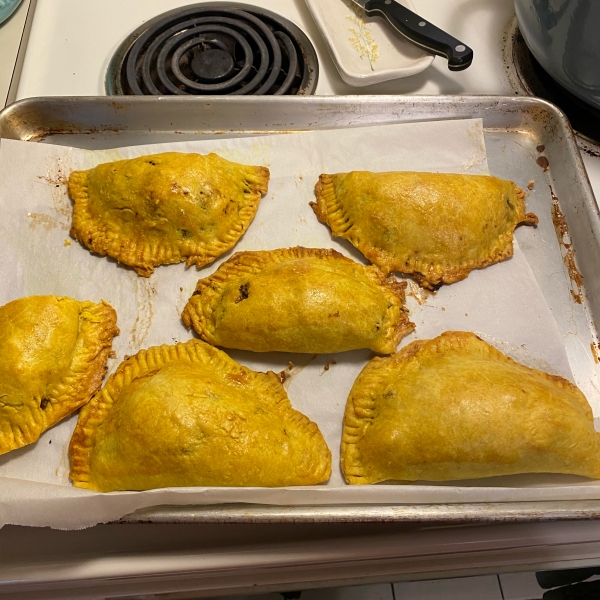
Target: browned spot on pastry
243, 293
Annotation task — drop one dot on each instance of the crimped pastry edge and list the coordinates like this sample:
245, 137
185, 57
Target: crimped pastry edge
97, 328
193, 351
198, 311
143, 258
329, 210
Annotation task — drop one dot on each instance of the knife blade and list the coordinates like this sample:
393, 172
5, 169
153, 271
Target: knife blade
420, 32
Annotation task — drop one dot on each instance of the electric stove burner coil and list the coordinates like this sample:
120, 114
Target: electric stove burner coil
207, 49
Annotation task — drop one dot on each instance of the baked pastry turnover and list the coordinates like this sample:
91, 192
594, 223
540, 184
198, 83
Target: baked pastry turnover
165, 208
188, 415
455, 408
298, 300
53, 352
436, 227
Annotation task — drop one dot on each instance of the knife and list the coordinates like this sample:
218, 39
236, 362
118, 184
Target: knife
420, 32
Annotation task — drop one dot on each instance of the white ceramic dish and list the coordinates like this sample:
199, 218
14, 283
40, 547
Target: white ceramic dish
366, 50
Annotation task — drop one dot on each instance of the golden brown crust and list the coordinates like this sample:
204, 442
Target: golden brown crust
456, 408
436, 227
165, 208
53, 353
205, 433
298, 300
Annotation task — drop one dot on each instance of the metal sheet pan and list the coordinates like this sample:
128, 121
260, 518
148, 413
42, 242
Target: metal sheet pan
526, 138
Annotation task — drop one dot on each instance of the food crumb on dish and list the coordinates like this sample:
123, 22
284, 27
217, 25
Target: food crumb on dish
67, 243
530, 184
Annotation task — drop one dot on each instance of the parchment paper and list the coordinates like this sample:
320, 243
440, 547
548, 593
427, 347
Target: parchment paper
502, 304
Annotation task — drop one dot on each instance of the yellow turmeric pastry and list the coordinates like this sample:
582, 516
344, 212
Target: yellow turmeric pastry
165, 208
53, 352
298, 300
455, 408
436, 227
188, 415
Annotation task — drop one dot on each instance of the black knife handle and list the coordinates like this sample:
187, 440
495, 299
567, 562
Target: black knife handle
422, 33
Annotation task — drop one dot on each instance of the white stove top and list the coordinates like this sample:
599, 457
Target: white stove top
72, 41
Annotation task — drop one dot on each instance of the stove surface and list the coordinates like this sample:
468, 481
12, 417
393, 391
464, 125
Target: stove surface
72, 42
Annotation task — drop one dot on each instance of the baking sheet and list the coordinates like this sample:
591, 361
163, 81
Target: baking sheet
503, 304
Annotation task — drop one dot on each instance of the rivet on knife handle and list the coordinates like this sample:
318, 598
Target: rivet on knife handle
421, 32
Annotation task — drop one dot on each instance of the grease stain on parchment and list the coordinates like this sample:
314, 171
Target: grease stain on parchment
182, 300
292, 370
327, 366
59, 215
46, 222
595, 347
479, 156
64, 466
418, 293
145, 292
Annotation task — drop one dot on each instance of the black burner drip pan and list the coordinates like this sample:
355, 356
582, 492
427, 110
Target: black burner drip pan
212, 49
